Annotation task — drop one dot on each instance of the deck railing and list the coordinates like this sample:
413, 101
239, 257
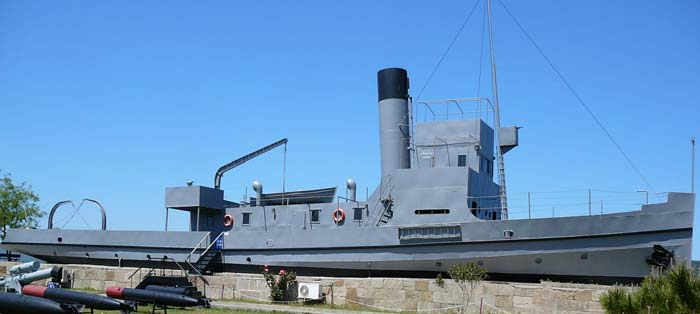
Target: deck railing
454, 108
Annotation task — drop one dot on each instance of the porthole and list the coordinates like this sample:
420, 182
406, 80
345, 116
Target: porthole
148, 256
116, 255
538, 260
248, 260
480, 263
584, 256
87, 254
59, 239
438, 264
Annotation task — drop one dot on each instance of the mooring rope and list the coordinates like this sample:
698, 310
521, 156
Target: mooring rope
495, 308
237, 292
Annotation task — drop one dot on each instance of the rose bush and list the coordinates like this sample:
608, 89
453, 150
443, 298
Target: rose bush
279, 283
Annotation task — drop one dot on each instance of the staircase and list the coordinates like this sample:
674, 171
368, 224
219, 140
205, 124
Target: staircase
162, 273
169, 281
210, 256
205, 261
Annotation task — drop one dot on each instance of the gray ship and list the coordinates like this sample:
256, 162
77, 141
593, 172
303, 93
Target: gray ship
434, 208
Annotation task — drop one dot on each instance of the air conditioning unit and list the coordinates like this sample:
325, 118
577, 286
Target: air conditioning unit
309, 291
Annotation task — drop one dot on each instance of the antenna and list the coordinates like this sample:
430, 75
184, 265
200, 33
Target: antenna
692, 165
497, 121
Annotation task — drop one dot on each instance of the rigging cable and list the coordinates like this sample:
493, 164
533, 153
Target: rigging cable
76, 211
84, 220
481, 65
444, 55
481, 55
576, 95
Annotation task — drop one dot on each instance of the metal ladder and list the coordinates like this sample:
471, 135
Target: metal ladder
386, 203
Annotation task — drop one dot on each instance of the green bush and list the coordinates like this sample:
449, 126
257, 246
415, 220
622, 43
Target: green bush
468, 277
675, 291
617, 301
280, 283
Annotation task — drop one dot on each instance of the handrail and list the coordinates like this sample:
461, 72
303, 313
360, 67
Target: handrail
182, 269
139, 268
287, 197
188, 261
384, 185
150, 271
465, 99
154, 267
458, 106
357, 203
199, 274
371, 217
194, 268
197, 246
212, 243
458, 102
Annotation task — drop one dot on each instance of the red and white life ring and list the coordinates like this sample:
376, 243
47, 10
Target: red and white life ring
338, 215
228, 220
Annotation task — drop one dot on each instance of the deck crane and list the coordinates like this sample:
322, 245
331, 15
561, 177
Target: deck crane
244, 159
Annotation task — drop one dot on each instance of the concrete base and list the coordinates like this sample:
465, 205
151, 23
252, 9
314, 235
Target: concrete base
381, 293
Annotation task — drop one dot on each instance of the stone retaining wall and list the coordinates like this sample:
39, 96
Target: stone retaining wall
384, 293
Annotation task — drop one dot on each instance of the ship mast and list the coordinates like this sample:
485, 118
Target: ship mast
497, 118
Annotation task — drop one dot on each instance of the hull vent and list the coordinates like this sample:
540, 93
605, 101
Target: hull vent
431, 233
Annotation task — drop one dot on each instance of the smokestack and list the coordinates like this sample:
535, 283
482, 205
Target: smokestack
258, 188
351, 190
394, 136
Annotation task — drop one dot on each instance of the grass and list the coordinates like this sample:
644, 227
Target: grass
148, 309
347, 306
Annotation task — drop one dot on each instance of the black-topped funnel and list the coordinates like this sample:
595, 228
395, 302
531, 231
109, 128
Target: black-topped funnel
394, 135
392, 83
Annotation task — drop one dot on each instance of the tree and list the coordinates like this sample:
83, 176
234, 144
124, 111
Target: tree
18, 207
468, 278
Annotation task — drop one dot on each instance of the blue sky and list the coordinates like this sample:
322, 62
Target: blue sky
116, 100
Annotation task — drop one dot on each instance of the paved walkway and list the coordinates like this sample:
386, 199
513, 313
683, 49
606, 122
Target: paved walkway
262, 307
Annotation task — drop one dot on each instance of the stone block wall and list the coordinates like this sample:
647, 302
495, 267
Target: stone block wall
401, 294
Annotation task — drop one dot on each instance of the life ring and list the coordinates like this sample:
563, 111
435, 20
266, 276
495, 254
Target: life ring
228, 220
338, 215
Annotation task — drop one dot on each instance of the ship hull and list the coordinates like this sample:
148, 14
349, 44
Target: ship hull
603, 248
603, 259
